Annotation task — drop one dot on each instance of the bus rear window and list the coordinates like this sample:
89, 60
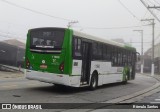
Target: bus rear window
46, 39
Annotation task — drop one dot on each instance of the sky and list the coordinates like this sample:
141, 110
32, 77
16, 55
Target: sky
102, 18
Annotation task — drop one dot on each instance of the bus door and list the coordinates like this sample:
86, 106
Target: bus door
86, 62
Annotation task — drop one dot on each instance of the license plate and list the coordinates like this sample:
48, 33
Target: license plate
43, 66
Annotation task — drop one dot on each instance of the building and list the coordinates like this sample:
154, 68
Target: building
148, 61
12, 53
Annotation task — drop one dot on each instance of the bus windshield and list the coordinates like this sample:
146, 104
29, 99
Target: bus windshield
46, 39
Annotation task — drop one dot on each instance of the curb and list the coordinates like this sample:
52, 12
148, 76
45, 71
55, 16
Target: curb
128, 97
10, 75
11, 68
155, 76
132, 98
137, 95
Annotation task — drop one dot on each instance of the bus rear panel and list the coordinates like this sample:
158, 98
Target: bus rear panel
47, 55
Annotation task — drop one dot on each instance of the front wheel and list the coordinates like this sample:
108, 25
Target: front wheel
94, 82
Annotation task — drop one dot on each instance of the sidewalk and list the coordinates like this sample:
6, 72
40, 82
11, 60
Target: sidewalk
157, 76
10, 68
4, 74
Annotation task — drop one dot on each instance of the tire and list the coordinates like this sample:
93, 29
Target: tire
94, 82
59, 86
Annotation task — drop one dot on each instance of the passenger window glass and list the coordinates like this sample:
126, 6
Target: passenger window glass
79, 44
77, 47
94, 50
104, 52
99, 51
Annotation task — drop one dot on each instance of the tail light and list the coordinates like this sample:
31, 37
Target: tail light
61, 67
27, 63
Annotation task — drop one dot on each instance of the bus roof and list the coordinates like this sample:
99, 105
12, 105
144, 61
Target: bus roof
87, 36
91, 37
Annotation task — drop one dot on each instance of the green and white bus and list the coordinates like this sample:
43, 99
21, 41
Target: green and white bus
67, 57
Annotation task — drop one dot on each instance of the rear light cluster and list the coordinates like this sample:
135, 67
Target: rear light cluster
61, 67
27, 63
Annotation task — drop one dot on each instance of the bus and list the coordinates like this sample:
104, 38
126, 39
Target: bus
63, 56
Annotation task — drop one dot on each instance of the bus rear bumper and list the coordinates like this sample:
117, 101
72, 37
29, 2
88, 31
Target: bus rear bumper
53, 78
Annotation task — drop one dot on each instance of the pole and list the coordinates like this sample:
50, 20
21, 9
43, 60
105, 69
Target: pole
153, 24
142, 60
150, 10
17, 57
71, 23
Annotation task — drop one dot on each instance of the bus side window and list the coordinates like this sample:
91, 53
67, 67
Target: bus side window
127, 61
94, 51
114, 56
108, 53
121, 53
119, 57
99, 53
104, 52
129, 58
77, 48
124, 58
79, 45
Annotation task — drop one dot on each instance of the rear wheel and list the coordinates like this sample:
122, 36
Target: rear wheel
59, 85
94, 81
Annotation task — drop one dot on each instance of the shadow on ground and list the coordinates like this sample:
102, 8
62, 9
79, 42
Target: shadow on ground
71, 90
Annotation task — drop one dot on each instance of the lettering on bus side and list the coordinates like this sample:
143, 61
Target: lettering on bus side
54, 60
97, 66
57, 57
119, 69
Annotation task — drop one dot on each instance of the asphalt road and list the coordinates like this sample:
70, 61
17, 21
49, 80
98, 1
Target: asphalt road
21, 90
153, 99
27, 91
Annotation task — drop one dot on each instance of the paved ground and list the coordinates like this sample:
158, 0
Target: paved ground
153, 99
34, 91
21, 90
10, 75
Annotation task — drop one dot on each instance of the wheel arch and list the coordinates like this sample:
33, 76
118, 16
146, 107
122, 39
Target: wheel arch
94, 72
